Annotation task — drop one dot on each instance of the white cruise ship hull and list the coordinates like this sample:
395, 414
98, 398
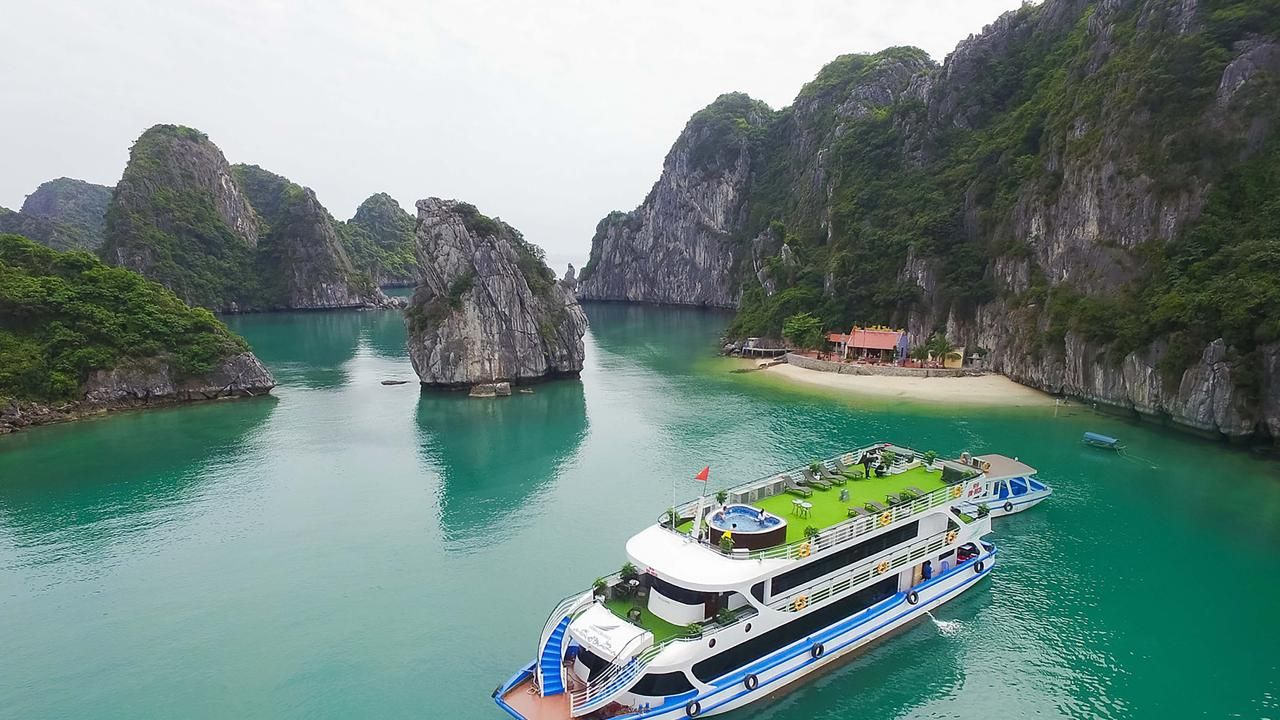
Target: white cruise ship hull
791, 665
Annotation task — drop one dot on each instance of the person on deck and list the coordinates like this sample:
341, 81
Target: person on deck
926, 572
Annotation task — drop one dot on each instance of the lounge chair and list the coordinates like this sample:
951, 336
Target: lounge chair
795, 488
814, 481
916, 490
876, 505
833, 476
856, 512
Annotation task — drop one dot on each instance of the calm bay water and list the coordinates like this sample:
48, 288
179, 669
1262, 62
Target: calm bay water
347, 549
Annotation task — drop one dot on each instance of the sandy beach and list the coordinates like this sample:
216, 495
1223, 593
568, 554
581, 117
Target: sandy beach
977, 390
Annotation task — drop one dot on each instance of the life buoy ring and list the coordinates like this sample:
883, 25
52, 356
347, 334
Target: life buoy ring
955, 491
913, 597
803, 550
800, 603
986, 466
882, 567
693, 708
1008, 506
817, 651
886, 518
751, 682
964, 457
978, 567
952, 535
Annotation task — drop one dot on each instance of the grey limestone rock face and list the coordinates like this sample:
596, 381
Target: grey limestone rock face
154, 380
675, 248
1098, 200
76, 208
487, 308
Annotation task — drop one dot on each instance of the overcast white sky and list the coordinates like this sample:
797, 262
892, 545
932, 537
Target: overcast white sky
547, 113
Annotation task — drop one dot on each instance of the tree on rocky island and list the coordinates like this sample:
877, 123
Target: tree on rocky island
804, 331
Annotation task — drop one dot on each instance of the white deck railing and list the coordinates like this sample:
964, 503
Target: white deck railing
880, 565
841, 532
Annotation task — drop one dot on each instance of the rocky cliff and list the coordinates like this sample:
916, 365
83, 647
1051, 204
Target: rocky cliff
63, 214
79, 208
676, 247
487, 307
179, 217
79, 338
380, 241
1085, 191
300, 262
232, 240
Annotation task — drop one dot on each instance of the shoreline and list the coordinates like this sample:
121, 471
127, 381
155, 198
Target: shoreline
972, 390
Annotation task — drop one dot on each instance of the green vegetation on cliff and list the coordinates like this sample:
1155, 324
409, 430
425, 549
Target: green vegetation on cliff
946, 189
64, 314
165, 221
379, 240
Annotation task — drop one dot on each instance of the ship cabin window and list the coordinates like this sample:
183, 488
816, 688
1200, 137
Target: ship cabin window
1035, 484
832, 562
1004, 489
675, 592
766, 643
757, 591
1019, 486
594, 663
662, 684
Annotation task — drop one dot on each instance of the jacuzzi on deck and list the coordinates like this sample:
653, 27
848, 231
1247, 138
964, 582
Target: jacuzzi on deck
751, 528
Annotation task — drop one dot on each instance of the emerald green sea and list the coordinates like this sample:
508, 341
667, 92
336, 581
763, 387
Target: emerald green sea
346, 549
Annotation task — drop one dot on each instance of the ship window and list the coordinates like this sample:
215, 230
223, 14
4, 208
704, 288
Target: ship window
751, 650
675, 592
757, 591
1035, 485
835, 561
1004, 489
1019, 486
660, 684
594, 663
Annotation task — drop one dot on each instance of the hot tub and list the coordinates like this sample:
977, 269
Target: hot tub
751, 528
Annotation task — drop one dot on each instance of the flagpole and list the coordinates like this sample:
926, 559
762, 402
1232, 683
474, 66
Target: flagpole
703, 477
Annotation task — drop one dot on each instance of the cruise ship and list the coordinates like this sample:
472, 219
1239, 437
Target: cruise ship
730, 599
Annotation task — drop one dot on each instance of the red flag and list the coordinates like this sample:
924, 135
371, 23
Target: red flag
703, 474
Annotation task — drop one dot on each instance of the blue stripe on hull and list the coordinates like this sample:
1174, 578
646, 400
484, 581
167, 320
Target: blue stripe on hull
734, 680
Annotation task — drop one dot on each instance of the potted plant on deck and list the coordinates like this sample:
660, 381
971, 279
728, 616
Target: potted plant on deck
726, 543
929, 457
722, 496
600, 588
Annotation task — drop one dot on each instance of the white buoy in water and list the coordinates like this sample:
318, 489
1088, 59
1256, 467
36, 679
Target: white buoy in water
948, 628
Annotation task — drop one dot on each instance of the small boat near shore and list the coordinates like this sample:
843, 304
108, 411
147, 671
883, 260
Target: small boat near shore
1099, 440
723, 604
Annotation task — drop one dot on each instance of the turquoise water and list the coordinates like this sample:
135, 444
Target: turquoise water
347, 549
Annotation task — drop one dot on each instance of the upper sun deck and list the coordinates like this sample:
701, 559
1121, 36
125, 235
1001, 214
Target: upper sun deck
828, 503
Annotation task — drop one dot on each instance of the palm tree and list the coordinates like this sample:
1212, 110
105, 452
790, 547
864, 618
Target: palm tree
940, 347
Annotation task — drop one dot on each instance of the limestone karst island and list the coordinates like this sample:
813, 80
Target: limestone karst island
640, 361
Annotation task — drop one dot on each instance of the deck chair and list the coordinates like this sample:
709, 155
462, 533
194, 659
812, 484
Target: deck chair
832, 475
795, 488
856, 512
876, 505
814, 481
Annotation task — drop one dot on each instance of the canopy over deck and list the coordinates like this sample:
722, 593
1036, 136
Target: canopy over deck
1005, 466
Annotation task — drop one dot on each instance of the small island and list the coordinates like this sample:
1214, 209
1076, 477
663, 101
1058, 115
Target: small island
79, 338
487, 308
